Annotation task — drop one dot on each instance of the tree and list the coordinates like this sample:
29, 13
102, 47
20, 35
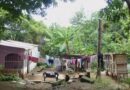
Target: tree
117, 20
79, 18
12, 10
16, 8
120, 2
128, 4
26, 30
59, 41
85, 40
114, 11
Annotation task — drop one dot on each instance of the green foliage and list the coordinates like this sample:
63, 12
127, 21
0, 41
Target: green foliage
59, 41
22, 7
79, 18
4, 17
128, 70
80, 38
9, 77
126, 80
116, 33
94, 65
26, 30
15, 8
102, 83
40, 64
115, 10
85, 40
1, 66
11, 12
43, 65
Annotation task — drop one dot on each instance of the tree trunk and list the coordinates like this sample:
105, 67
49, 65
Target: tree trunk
99, 49
128, 4
67, 48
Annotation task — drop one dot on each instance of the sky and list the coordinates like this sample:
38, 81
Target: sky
65, 11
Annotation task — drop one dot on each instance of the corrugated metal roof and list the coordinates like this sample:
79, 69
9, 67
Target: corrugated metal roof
17, 44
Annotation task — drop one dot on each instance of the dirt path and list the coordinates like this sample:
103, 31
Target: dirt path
17, 86
105, 83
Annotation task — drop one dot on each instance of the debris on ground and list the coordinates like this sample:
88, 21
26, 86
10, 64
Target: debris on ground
86, 79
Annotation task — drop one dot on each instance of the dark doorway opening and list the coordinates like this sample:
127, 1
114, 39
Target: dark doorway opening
13, 61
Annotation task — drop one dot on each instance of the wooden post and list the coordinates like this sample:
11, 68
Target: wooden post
99, 48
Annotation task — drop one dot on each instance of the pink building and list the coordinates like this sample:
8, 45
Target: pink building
15, 55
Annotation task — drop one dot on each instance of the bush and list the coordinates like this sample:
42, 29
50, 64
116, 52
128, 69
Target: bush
94, 65
1, 67
39, 64
101, 83
9, 77
43, 65
126, 80
128, 71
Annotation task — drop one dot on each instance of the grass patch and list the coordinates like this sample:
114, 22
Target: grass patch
9, 77
43, 65
103, 82
94, 65
126, 80
129, 71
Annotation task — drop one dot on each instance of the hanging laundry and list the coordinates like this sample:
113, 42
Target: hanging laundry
73, 61
46, 60
68, 62
33, 59
93, 58
79, 63
84, 58
88, 59
57, 62
51, 61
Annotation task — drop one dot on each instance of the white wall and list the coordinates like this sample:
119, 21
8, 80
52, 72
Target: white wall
35, 53
25, 62
32, 65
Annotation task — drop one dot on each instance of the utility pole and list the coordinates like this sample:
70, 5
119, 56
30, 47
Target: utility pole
99, 49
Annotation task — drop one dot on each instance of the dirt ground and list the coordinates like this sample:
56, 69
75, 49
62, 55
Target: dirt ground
35, 82
77, 85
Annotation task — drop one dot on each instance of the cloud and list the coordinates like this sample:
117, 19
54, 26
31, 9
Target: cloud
65, 11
